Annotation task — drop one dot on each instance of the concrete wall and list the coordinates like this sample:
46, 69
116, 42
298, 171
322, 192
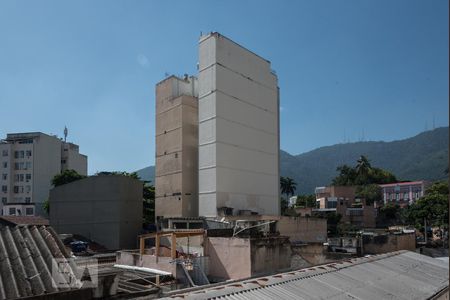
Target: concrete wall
270, 255
389, 243
73, 159
304, 229
313, 254
238, 129
133, 258
46, 164
176, 173
237, 258
106, 209
229, 257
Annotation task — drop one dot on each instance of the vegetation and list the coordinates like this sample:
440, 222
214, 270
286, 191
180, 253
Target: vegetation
306, 201
66, 177
370, 192
288, 186
333, 220
362, 174
47, 206
433, 207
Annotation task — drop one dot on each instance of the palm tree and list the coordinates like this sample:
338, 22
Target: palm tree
363, 166
288, 186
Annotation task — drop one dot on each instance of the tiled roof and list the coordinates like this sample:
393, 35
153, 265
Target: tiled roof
27, 254
24, 220
396, 275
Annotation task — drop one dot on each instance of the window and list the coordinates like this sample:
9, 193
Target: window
5, 153
5, 164
27, 200
28, 189
28, 165
417, 195
16, 189
63, 161
4, 188
16, 154
28, 153
12, 211
4, 176
4, 200
28, 177
397, 196
405, 196
29, 211
28, 141
18, 166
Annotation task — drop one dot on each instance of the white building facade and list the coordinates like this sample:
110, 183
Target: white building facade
28, 163
238, 130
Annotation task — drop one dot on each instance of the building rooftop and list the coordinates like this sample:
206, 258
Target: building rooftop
401, 183
27, 255
396, 275
23, 220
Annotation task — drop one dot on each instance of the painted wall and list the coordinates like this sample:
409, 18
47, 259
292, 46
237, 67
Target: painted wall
238, 129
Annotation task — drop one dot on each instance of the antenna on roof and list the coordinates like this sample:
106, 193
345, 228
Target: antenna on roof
65, 133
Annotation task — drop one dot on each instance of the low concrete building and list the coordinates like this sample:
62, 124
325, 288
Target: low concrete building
106, 209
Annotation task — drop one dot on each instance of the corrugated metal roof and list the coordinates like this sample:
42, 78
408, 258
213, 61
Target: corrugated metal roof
27, 254
396, 275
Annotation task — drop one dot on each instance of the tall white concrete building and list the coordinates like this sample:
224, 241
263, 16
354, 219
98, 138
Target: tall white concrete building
28, 162
238, 130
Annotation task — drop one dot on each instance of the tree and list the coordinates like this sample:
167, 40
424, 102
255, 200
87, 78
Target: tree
347, 176
363, 173
306, 201
433, 207
47, 206
288, 186
363, 167
66, 177
149, 204
370, 192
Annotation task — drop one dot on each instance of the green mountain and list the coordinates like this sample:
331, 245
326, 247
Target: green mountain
424, 156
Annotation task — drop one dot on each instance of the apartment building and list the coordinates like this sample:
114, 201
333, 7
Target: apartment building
238, 130
176, 168
28, 162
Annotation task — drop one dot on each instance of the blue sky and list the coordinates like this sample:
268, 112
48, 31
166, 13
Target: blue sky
345, 68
